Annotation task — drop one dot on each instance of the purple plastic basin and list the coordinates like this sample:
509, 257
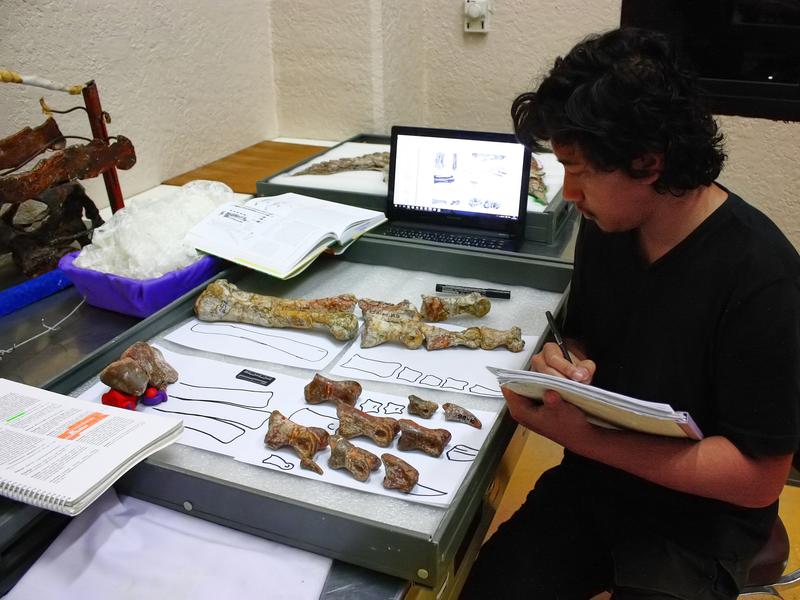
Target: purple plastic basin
137, 297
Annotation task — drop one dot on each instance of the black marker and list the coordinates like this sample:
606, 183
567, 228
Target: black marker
557, 335
446, 288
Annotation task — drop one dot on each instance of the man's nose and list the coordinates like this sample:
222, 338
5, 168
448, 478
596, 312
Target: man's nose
571, 190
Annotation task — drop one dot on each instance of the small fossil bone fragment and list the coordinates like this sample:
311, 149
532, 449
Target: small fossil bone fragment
306, 441
321, 389
358, 461
378, 330
223, 301
354, 422
140, 366
438, 308
437, 338
401, 311
376, 161
414, 436
494, 338
421, 408
399, 475
454, 412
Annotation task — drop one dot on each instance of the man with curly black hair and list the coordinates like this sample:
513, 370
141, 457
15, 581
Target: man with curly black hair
682, 293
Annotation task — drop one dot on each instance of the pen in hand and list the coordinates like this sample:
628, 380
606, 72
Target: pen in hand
557, 335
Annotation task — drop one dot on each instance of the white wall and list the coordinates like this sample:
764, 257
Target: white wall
191, 81
188, 81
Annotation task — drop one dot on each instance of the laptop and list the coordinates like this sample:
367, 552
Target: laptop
466, 188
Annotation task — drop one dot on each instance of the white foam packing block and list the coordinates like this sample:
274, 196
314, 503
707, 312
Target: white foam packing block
328, 278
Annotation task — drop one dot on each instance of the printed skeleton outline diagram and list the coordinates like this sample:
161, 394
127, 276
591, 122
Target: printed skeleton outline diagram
297, 349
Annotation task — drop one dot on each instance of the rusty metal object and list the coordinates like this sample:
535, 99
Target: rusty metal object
306, 441
494, 338
399, 475
437, 338
140, 366
359, 462
37, 243
378, 330
223, 301
27, 143
75, 162
421, 408
401, 311
454, 412
321, 389
438, 308
376, 161
414, 436
353, 422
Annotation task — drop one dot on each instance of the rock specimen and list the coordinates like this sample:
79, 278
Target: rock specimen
358, 461
414, 436
378, 330
306, 441
421, 408
438, 308
399, 475
140, 366
321, 389
376, 161
223, 301
353, 422
454, 412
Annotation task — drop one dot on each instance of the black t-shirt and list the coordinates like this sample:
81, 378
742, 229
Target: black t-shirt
713, 328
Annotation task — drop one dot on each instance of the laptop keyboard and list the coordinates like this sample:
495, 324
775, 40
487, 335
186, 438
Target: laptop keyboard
447, 237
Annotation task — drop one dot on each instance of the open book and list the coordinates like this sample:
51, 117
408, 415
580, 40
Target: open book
601, 406
281, 235
61, 453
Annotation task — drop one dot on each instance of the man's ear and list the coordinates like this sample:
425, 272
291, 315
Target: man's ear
648, 167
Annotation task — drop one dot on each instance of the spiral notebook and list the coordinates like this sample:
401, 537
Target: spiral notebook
602, 407
61, 453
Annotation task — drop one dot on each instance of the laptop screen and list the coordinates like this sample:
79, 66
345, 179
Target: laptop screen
466, 179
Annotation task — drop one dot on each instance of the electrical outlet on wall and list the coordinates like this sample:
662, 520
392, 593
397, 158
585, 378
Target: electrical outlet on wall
476, 15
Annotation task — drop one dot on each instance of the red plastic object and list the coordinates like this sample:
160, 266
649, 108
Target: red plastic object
119, 399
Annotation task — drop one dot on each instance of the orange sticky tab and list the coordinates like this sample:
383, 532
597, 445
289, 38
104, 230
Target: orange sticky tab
78, 427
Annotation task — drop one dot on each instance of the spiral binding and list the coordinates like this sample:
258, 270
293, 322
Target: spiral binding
33, 496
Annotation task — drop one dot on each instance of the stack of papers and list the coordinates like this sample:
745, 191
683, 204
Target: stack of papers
601, 406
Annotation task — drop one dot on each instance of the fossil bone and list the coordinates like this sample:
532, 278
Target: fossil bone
378, 330
399, 475
494, 338
414, 436
376, 161
437, 338
16, 149
437, 308
140, 366
454, 412
306, 441
353, 422
421, 408
321, 389
223, 301
358, 461
402, 311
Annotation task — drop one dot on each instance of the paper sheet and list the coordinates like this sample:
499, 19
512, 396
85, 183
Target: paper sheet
225, 411
127, 548
453, 369
292, 347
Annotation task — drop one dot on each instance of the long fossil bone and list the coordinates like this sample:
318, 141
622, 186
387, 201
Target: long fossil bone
306, 441
414, 436
321, 389
401, 311
437, 338
494, 338
28, 142
378, 330
223, 301
358, 461
438, 308
353, 422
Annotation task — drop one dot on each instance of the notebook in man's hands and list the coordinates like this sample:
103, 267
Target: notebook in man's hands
457, 187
